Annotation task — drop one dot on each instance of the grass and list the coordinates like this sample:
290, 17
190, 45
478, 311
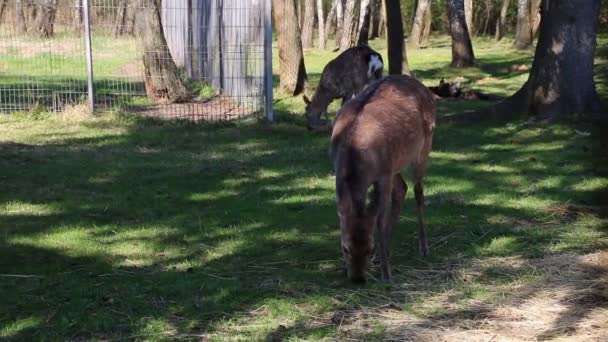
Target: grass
120, 228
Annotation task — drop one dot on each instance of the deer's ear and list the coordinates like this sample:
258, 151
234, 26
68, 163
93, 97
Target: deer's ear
306, 100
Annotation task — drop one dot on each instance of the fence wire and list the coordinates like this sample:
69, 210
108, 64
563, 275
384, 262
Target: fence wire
217, 47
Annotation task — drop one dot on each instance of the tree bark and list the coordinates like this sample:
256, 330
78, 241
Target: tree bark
382, 28
561, 79
426, 25
77, 13
2, 7
121, 19
502, 18
161, 78
364, 17
418, 26
468, 14
45, 19
131, 15
328, 24
535, 17
291, 58
374, 30
523, 33
321, 21
21, 28
462, 49
346, 39
308, 24
339, 22
397, 57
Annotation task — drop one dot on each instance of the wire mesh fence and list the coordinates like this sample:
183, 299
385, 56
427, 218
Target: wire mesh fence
190, 59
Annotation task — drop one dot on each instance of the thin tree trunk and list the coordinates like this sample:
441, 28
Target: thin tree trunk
426, 25
523, 35
21, 28
291, 58
328, 23
77, 15
374, 30
502, 18
321, 22
535, 17
397, 57
131, 9
382, 25
309, 23
348, 25
339, 22
364, 17
468, 13
45, 20
161, 79
418, 26
2, 7
462, 49
121, 19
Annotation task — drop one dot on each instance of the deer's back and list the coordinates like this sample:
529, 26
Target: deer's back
347, 73
384, 128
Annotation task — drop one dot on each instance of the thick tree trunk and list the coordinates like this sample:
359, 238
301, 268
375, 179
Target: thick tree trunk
21, 28
468, 14
374, 29
346, 39
121, 19
418, 26
321, 21
502, 18
462, 49
535, 17
561, 80
309, 23
77, 15
161, 78
426, 25
397, 57
291, 59
523, 33
339, 22
45, 20
364, 16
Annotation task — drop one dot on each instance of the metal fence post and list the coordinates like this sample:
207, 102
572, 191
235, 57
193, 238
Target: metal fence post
89, 54
268, 59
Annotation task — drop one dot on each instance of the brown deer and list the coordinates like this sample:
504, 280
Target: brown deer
342, 78
387, 127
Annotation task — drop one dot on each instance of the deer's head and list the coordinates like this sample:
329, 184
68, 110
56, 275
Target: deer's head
313, 111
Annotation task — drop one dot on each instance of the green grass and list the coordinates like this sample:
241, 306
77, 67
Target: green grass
128, 229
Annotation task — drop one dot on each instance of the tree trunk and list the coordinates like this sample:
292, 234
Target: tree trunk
523, 34
462, 49
339, 22
131, 15
364, 17
321, 22
418, 26
346, 40
382, 28
374, 30
426, 25
561, 79
2, 7
502, 18
535, 17
291, 59
309, 24
121, 19
77, 14
328, 24
45, 20
21, 28
161, 79
468, 14
397, 57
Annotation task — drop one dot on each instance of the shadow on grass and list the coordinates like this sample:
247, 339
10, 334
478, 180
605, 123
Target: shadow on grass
178, 231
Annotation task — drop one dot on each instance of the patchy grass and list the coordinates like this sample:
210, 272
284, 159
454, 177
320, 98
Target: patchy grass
119, 228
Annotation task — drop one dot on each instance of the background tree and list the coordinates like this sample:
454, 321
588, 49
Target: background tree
120, 24
502, 19
339, 22
364, 18
161, 78
291, 58
462, 49
2, 8
523, 31
21, 28
426, 25
77, 14
308, 24
535, 17
375, 8
45, 18
397, 57
419, 21
346, 38
328, 24
468, 14
321, 21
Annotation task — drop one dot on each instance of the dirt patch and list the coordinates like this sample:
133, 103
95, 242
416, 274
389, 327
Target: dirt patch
217, 109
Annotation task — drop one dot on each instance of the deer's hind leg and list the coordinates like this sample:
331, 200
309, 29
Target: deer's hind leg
380, 200
423, 244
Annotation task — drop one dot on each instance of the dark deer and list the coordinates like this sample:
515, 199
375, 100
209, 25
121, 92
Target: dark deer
386, 128
342, 78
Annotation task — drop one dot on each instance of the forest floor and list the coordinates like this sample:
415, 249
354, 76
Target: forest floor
120, 227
